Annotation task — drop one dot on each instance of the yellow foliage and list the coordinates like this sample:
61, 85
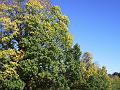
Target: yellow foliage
5, 53
12, 54
19, 56
8, 24
87, 72
10, 72
35, 4
3, 7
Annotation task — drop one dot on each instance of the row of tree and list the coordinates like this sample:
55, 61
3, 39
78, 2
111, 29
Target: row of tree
115, 80
37, 51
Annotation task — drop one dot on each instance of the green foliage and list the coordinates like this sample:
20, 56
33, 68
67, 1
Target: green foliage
72, 62
9, 79
36, 51
93, 77
42, 37
115, 82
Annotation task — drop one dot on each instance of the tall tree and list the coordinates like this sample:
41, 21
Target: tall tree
41, 35
72, 62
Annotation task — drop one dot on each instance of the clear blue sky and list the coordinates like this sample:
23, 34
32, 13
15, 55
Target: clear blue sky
95, 25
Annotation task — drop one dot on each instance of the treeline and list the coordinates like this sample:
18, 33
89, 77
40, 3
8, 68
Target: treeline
37, 51
115, 80
115, 74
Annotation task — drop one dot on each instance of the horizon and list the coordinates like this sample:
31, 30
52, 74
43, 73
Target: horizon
95, 27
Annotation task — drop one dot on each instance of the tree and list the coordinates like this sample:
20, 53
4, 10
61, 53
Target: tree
72, 62
115, 80
87, 58
41, 35
116, 74
93, 77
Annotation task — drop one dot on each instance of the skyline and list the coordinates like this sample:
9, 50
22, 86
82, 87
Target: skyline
95, 27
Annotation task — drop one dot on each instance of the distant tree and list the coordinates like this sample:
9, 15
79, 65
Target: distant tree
116, 74
87, 58
93, 77
115, 82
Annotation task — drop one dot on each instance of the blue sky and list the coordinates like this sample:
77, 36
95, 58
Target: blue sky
95, 26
